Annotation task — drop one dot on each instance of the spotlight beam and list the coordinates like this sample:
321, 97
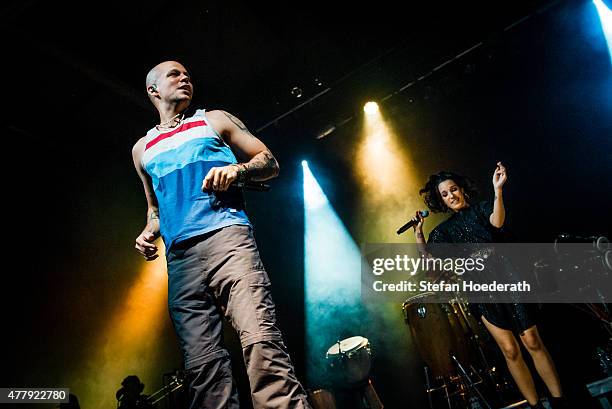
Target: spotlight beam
605, 16
332, 277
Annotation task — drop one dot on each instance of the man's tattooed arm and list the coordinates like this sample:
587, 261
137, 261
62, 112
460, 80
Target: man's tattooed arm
153, 221
262, 166
238, 123
153, 215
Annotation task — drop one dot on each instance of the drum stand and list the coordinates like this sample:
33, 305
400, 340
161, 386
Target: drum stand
476, 342
362, 396
175, 382
499, 383
471, 385
462, 386
369, 397
431, 390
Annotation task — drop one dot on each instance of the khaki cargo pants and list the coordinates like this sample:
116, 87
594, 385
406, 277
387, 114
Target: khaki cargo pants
221, 275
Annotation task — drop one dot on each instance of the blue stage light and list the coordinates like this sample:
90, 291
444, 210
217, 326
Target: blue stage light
605, 16
332, 269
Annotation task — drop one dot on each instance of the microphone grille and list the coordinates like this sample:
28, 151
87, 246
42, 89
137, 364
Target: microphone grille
424, 213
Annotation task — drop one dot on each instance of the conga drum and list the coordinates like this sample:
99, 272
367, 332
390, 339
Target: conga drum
439, 331
350, 360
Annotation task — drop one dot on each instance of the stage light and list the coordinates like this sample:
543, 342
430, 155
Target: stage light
605, 16
296, 92
388, 180
314, 197
370, 108
332, 276
128, 343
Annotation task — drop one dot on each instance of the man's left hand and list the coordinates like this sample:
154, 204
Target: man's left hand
220, 179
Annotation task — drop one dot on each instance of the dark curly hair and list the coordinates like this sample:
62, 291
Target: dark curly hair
431, 194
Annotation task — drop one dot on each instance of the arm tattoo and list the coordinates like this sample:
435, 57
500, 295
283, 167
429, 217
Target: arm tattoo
262, 166
238, 123
153, 216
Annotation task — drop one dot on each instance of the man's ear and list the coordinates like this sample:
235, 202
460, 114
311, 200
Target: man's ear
152, 88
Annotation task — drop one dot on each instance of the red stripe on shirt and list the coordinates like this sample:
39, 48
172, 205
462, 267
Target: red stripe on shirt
181, 128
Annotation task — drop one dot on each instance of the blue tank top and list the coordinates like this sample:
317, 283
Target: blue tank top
177, 161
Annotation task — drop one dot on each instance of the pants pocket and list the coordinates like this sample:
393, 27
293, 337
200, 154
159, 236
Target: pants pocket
261, 295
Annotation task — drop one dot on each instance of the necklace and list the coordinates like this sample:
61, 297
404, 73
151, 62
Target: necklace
178, 118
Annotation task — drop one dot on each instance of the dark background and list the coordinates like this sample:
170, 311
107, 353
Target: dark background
537, 96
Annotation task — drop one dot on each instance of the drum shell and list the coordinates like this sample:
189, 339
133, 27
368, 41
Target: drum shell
351, 367
439, 331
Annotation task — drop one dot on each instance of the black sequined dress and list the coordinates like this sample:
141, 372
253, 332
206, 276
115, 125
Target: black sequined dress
471, 225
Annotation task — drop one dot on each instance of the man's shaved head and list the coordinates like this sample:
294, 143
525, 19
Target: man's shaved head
169, 82
153, 74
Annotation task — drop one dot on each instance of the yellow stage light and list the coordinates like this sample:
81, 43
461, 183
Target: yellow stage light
128, 342
370, 108
389, 180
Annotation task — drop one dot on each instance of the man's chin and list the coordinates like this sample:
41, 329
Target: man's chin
183, 100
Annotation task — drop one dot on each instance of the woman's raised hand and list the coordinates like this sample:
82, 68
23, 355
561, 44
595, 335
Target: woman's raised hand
499, 176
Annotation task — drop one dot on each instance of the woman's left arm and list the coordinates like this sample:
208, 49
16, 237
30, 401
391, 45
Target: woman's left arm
498, 216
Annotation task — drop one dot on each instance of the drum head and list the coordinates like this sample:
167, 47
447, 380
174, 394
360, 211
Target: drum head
349, 361
421, 297
347, 345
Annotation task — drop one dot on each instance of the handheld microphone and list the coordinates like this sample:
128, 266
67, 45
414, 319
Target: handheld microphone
255, 186
423, 213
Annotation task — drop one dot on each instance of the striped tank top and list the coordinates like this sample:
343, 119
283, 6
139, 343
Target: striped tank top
177, 161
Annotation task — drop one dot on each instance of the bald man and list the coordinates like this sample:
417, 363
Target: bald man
187, 164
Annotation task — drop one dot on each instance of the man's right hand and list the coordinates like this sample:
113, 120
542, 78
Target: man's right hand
144, 245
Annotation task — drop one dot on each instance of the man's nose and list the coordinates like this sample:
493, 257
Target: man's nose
184, 78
